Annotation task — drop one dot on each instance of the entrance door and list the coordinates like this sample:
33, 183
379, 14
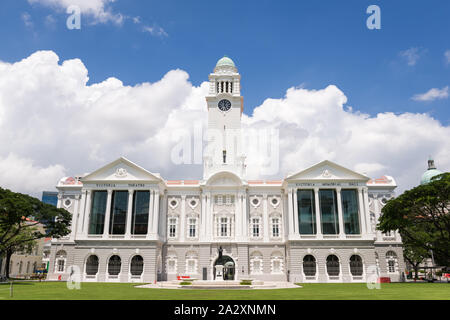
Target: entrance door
228, 267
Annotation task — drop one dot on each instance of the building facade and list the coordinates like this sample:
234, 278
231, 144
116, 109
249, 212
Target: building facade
317, 225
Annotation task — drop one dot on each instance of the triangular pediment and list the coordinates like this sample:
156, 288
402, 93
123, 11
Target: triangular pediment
327, 170
124, 170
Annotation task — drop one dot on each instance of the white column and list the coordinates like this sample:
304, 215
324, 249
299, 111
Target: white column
82, 211
183, 218
150, 214
366, 210
377, 215
129, 214
362, 213
244, 214
87, 212
296, 229
107, 214
317, 209
75, 217
238, 216
203, 218
291, 212
340, 213
265, 219
210, 214
155, 213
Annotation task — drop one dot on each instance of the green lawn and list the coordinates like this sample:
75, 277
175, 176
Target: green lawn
125, 291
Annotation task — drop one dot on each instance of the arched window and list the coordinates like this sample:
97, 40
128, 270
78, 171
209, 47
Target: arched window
137, 266
92, 265
309, 266
391, 260
20, 267
356, 265
28, 267
114, 265
34, 267
333, 265
172, 263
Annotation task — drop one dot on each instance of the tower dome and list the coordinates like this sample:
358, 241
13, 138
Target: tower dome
225, 63
430, 173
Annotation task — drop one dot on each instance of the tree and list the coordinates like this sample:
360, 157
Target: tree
414, 255
422, 216
20, 216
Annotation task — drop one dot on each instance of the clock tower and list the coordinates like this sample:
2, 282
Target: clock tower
225, 106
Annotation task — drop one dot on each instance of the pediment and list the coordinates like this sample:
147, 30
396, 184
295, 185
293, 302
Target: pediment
119, 170
327, 170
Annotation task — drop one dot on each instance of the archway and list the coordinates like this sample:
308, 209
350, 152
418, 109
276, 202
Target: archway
228, 267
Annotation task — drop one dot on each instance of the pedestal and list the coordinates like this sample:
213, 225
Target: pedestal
219, 273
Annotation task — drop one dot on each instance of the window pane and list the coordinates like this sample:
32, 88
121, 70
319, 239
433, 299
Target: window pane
114, 265
329, 212
309, 266
98, 209
92, 265
356, 265
349, 199
137, 266
119, 209
332, 265
139, 221
306, 212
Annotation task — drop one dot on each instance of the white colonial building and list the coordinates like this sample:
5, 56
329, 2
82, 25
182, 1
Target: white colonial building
318, 225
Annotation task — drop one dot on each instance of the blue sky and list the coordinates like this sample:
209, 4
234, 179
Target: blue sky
276, 45
313, 59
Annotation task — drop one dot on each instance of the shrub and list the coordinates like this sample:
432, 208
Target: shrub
186, 283
246, 282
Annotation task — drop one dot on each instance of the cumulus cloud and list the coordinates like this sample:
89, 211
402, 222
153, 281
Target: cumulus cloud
53, 124
99, 10
432, 94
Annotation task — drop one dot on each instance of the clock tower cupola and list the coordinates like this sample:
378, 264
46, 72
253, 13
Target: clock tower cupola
225, 106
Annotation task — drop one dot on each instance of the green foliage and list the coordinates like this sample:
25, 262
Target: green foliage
20, 214
246, 282
422, 217
186, 283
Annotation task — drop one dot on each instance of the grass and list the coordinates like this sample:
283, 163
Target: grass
127, 291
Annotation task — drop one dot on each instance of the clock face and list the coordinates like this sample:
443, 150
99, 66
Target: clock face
224, 105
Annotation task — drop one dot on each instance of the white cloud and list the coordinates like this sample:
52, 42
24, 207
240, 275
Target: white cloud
53, 124
155, 31
447, 57
432, 94
26, 18
20, 174
99, 10
412, 55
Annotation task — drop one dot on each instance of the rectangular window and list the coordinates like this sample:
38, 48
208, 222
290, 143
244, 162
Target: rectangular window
329, 211
119, 207
275, 227
255, 227
172, 227
218, 200
391, 266
349, 199
192, 228
98, 208
224, 227
230, 199
61, 265
306, 211
139, 219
